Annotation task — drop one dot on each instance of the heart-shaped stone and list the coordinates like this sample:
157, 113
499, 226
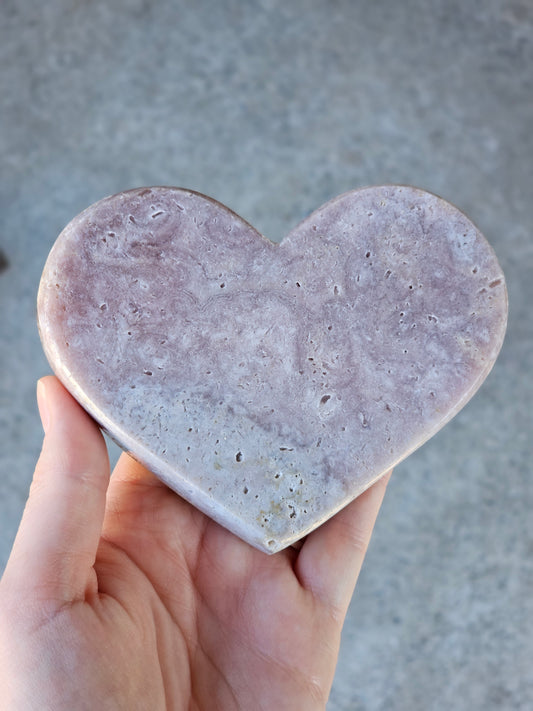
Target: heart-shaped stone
271, 384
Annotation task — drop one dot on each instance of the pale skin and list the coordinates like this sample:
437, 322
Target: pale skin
118, 594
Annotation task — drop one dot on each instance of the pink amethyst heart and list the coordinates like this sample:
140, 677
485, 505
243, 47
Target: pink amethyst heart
267, 384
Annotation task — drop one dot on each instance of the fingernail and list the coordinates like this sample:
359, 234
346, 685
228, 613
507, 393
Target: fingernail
42, 404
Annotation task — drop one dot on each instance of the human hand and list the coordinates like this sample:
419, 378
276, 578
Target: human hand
120, 595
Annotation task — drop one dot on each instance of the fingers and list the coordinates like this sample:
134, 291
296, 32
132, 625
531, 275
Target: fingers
331, 557
131, 491
129, 470
56, 544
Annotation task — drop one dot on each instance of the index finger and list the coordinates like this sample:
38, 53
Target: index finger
330, 560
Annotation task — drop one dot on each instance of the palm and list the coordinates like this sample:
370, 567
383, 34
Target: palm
120, 595
230, 625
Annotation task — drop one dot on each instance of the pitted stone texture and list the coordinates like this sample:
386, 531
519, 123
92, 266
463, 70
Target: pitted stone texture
271, 384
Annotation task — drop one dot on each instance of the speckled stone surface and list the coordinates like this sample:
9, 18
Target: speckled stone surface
270, 384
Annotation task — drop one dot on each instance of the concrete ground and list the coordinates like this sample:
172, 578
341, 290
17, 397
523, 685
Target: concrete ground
273, 107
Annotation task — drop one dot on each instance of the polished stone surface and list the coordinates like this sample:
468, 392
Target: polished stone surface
270, 384
273, 108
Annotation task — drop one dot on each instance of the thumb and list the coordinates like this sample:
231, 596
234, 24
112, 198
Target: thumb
55, 548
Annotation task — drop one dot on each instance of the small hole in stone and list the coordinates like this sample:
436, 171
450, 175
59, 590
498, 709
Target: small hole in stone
238, 457
222, 285
245, 490
298, 284
156, 214
367, 255
147, 372
324, 399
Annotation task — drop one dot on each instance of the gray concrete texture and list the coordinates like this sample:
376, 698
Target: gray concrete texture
273, 107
